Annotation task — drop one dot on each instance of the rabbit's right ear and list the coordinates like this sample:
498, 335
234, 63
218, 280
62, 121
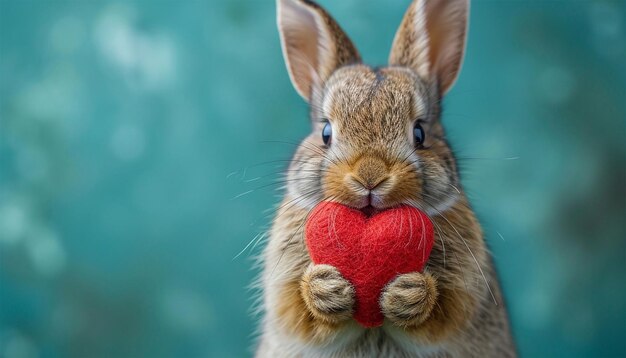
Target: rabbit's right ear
313, 44
431, 40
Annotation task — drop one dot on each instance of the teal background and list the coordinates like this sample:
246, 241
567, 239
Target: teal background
131, 134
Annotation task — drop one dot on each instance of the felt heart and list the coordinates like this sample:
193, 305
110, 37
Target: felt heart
369, 251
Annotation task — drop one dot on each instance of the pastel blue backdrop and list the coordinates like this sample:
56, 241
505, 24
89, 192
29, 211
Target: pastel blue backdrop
131, 134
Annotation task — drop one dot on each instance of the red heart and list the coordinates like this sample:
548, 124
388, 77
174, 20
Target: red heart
369, 251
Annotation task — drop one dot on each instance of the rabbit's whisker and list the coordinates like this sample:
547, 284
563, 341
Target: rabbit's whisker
285, 206
469, 249
455, 188
487, 158
274, 162
456, 256
284, 173
443, 245
242, 194
292, 203
306, 145
256, 239
286, 246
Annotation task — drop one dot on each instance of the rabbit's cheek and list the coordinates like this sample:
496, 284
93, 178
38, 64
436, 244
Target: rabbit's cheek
404, 187
439, 191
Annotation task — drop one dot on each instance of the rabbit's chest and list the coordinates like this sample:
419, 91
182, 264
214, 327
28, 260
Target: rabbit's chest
378, 342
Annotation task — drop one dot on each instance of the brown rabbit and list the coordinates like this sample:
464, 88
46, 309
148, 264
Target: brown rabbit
377, 141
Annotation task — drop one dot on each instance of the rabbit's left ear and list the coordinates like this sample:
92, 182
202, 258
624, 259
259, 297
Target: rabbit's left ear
431, 40
314, 45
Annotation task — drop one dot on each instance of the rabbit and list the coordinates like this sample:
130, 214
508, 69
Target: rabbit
376, 142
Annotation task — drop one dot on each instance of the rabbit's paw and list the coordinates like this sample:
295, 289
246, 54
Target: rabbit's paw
409, 299
327, 294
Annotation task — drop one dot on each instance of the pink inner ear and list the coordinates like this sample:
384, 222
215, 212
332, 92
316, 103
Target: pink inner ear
369, 252
299, 35
431, 40
314, 45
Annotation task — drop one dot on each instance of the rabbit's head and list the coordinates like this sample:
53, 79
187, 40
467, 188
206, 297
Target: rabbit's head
377, 140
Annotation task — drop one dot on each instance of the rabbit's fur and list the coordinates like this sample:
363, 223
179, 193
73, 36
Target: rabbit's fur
455, 307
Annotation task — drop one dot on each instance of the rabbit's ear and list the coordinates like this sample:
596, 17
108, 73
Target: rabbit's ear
431, 40
313, 44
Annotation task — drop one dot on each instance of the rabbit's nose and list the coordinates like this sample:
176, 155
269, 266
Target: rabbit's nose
370, 172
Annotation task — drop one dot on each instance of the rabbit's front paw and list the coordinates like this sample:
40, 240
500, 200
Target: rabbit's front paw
327, 294
409, 299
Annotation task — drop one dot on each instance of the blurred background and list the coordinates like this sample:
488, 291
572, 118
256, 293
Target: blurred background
135, 168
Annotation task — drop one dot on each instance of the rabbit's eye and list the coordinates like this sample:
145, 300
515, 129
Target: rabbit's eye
327, 132
418, 135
